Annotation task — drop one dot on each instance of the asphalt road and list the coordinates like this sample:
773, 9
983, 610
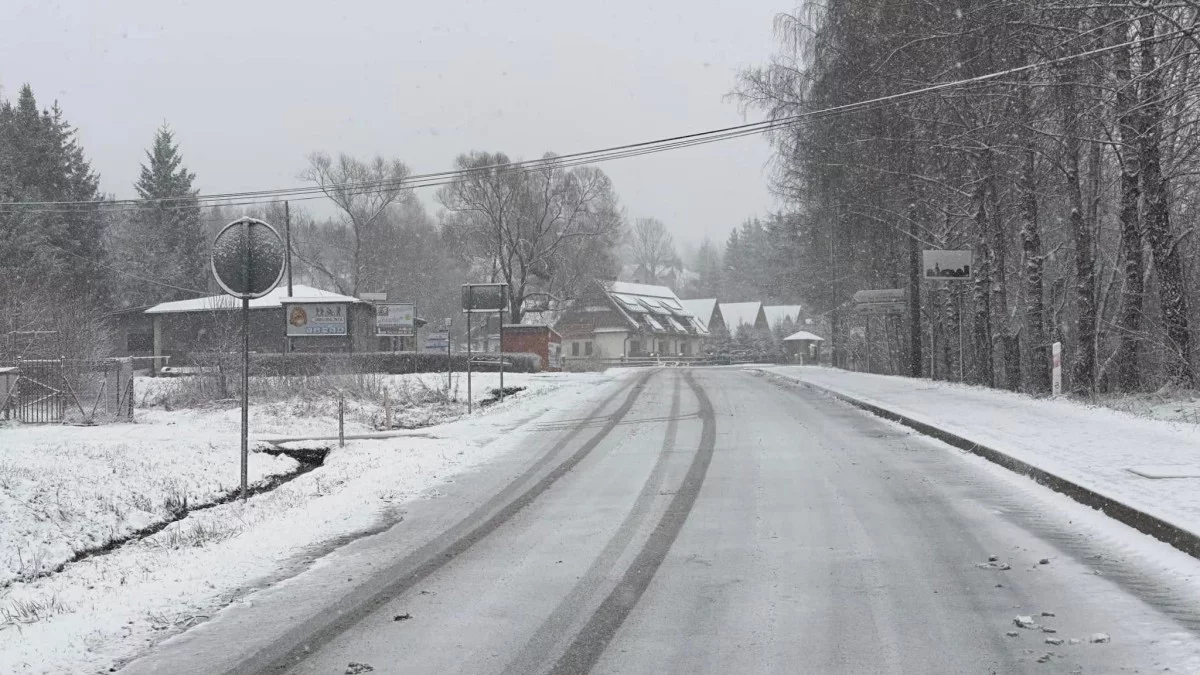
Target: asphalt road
718, 521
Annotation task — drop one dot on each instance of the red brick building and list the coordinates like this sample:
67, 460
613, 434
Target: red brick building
533, 339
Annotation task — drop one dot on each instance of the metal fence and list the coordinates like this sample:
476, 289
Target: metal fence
41, 391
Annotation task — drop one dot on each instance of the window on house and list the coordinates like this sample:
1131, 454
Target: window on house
662, 346
587, 348
635, 347
574, 349
685, 349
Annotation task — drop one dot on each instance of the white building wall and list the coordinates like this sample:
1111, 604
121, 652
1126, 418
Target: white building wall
611, 345
604, 345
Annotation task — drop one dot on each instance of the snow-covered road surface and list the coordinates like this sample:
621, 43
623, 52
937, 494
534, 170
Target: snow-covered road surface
712, 521
1114, 454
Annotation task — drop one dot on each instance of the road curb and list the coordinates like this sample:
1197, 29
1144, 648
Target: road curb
1166, 532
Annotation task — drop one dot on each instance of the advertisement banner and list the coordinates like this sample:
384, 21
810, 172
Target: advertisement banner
309, 320
395, 319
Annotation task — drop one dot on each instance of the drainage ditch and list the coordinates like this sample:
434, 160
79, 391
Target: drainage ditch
307, 459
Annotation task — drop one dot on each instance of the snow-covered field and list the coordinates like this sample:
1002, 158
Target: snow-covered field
67, 488
1108, 451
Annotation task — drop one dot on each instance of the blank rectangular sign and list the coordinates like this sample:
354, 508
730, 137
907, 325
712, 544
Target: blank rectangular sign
483, 297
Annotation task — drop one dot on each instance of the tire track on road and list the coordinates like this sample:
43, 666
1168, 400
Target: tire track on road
555, 629
589, 644
312, 634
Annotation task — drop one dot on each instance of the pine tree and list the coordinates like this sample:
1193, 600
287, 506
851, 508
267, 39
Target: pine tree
171, 246
40, 160
53, 276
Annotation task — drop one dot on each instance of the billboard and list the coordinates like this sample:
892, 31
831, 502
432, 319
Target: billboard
395, 319
316, 319
488, 298
882, 301
949, 265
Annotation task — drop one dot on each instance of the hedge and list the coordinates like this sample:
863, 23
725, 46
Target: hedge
368, 362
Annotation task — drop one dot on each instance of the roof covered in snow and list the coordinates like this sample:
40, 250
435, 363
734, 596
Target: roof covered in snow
701, 309
778, 313
803, 335
300, 293
653, 309
738, 313
641, 289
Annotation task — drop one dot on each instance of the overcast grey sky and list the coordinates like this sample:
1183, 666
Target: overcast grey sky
251, 87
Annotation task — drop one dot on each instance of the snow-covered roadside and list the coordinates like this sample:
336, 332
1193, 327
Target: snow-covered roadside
106, 609
1168, 405
66, 489
317, 414
1095, 447
70, 489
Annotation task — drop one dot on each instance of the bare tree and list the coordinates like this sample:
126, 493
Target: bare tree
651, 248
362, 191
1164, 244
541, 230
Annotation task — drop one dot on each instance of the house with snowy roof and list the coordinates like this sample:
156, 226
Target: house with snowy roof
778, 314
310, 320
615, 319
744, 313
707, 311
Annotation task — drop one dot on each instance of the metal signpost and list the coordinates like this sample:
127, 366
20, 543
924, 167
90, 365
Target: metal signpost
942, 265
248, 259
484, 299
449, 358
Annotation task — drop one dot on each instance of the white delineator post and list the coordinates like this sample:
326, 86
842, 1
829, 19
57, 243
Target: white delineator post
1056, 368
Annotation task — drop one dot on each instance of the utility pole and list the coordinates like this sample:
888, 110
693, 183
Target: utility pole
835, 318
470, 403
287, 233
914, 302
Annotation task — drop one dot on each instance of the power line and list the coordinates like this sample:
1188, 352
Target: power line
560, 161
124, 273
427, 180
